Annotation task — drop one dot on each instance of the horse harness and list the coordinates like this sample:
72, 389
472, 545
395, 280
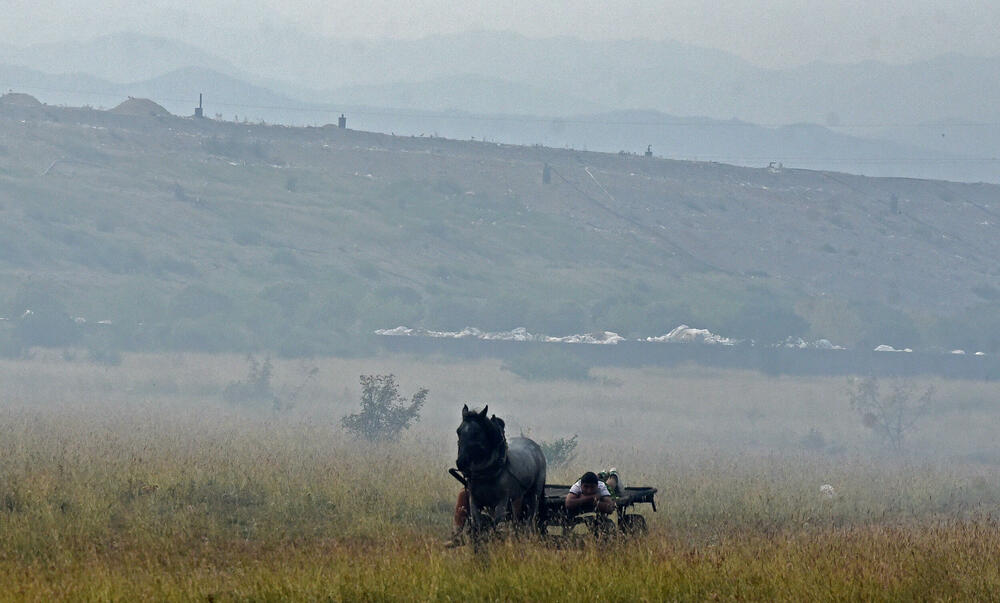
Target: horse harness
492, 471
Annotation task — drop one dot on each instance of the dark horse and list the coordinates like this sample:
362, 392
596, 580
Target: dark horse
501, 476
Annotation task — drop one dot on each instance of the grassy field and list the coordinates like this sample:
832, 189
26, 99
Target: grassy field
141, 481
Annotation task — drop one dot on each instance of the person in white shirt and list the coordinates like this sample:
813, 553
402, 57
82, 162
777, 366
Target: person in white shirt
589, 494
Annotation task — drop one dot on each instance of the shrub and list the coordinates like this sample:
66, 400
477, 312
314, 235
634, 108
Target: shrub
256, 389
384, 413
561, 452
891, 415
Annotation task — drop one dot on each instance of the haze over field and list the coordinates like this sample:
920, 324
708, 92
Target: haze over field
744, 252
806, 91
902, 91
775, 33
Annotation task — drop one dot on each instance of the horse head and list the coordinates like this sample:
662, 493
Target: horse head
481, 441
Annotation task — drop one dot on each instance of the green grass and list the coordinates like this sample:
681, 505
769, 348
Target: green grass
872, 563
140, 481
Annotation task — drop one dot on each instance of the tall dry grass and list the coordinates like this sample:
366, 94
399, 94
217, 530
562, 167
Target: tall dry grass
139, 481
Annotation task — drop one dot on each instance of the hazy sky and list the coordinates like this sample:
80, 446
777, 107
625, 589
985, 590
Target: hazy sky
773, 33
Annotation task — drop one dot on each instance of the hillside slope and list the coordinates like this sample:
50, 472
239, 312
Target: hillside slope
199, 234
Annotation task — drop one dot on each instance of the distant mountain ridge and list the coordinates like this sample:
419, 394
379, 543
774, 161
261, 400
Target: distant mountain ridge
694, 138
120, 58
666, 76
940, 118
484, 95
176, 90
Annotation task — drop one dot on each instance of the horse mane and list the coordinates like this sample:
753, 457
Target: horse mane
479, 416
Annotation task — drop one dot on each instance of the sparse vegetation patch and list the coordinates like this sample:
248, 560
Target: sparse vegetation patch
384, 413
135, 481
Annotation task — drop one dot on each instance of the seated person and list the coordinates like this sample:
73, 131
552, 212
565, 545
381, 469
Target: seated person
613, 481
589, 494
461, 516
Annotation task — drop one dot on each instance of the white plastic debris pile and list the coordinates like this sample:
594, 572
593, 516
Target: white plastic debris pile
686, 334
802, 344
680, 334
599, 338
518, 334
401, 331
889, 348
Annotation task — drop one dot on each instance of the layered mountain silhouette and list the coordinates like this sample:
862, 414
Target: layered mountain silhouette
935, 119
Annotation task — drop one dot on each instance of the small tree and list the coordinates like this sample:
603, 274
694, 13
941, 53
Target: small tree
384, 413
256, 389
891, 415
561, 452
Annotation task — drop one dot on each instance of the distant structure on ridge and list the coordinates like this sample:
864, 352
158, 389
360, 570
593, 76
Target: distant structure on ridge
140, 106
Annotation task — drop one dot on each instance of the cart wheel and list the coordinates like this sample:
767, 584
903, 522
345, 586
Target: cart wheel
601, 527
633, 525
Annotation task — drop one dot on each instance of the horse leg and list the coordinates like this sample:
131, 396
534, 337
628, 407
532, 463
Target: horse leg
540, 518
516, 507
519, 508
529, 512
475, 520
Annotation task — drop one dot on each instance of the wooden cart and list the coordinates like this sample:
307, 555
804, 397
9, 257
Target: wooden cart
626, 520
